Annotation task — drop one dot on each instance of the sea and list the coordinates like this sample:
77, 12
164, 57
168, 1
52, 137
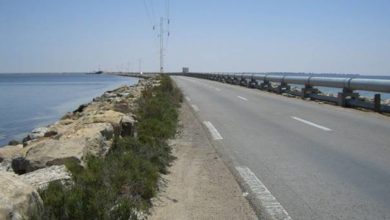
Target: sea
34, 100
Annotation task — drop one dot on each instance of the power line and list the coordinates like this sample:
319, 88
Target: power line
167, 9
147, 12
153, 12
164, 31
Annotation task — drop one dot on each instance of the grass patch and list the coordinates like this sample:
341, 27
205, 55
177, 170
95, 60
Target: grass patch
123, 183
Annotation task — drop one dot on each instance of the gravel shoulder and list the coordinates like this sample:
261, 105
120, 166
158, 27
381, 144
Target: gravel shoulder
199, 185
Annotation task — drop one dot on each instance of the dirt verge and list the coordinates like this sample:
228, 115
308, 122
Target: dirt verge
199, 185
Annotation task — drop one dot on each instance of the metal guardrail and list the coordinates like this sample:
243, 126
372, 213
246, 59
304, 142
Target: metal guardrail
347, 98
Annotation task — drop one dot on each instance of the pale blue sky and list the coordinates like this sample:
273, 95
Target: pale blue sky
340, 36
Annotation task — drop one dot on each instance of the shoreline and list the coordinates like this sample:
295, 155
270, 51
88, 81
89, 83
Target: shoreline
64, 123
15, 126
44, 155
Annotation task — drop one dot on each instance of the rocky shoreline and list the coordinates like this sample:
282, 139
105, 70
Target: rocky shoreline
89, 130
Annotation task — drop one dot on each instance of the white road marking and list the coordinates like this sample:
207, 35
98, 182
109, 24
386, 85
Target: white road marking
311, 123
188, 99
195, 108
269, 204
213, 131
243, 98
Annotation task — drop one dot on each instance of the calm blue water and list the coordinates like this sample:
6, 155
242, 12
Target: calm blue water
32, 100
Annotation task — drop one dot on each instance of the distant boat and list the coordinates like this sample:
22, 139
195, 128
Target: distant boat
96, 72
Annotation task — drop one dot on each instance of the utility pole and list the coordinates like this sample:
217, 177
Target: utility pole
161, 45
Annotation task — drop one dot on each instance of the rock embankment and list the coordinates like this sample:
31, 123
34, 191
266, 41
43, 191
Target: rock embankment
89, 130
18, 200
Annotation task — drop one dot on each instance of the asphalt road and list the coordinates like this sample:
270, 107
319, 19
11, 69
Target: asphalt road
319, 161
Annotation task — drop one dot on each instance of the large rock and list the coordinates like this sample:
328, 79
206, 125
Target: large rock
94, 139
18, 200
109, 116
38, 133
20, 165
5, 165
127, 126
11, 151
123, 124
7, 154
41, 178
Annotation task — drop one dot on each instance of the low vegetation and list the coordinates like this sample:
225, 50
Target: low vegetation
121, 185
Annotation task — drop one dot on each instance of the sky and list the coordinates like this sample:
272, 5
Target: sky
320, 36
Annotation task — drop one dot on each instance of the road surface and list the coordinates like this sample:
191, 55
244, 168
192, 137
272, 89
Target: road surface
319, 161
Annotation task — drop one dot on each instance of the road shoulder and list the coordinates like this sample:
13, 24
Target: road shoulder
199, 185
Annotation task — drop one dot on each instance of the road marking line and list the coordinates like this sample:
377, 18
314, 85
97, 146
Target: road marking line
311, 123
188, 99
214, 132
268, 202
243, 98
195, 108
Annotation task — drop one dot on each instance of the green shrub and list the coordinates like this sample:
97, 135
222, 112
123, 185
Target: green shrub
123, 182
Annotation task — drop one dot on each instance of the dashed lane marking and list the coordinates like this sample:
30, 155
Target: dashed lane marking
243, 98
213, 131
311, 123
195, 108
268, 202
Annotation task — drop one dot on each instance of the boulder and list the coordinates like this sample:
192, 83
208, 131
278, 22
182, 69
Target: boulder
109, 116
38, 133
13, 142
50, 133
20, 165
7, 153
26, 140
80, 108
92, 139
5, 166
11, 151
123, 94
18, 200
109, 94
41, 178
127, 126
